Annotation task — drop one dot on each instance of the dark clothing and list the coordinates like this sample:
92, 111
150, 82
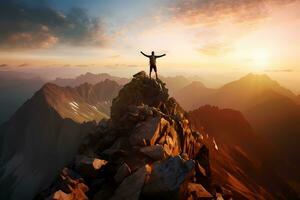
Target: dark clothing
152, 62
153, 67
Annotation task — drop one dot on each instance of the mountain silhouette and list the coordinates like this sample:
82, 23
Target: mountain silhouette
147, 150
45, 133
15, 89
240, 94
242, 160
89, 78
61, 143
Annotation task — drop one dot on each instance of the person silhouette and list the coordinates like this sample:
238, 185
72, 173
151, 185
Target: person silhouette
152, 62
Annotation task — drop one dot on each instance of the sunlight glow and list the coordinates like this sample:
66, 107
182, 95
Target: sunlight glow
261, 59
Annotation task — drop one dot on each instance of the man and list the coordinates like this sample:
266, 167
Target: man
152, 62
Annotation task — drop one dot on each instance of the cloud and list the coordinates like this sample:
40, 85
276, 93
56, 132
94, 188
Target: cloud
214, 11
114, 56
82, 65
3, 65
279, 70
41, 26
23, 65
215, 49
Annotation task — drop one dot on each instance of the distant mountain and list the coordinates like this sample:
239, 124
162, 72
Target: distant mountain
239, 94
89, 78
193, 95
242, 94
240, 158
272, 110
15, 89
277, 117
175, 83
45, 133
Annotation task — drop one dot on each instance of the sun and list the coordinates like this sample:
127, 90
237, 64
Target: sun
261, 59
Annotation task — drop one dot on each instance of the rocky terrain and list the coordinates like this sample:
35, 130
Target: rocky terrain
147, 150
242, 160
45, 133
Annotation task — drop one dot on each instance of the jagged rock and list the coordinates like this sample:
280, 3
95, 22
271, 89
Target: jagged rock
141, 90
122, 173
131, 187
156, 130
140, 74
197, 191
156, 152
69, 186
167, 177
184, 156
142, 142
203, 170
89, 167
118, 146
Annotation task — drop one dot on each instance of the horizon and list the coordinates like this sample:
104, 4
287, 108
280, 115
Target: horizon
227, 39
209, 79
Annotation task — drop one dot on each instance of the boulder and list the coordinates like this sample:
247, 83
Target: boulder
167, 177
197, 191
119, 145
141, 90
156, 152
131, 187
122, 173
156, 130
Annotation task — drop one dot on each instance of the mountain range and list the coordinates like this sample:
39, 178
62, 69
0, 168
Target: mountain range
252, 137
241, 159
17, 87
271, 110
45, 133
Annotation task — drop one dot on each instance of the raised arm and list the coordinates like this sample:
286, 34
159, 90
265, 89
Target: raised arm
145, 54
160, 56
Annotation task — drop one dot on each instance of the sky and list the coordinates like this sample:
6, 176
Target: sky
200, 37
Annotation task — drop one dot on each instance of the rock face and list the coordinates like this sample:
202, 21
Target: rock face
168, 176
151, 150
45, 134
242, 159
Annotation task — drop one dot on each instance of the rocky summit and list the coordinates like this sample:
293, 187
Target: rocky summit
146, 150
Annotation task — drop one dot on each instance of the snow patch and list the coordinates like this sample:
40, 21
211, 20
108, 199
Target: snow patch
95, 107
74, 105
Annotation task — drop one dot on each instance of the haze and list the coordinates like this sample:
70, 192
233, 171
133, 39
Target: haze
218, 39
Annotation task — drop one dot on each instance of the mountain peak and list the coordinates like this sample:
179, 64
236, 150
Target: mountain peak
140, 90
252, 76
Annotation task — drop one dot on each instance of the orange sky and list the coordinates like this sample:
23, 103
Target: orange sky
199, 37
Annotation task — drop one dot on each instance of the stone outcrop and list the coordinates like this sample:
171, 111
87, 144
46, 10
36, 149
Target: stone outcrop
150, 149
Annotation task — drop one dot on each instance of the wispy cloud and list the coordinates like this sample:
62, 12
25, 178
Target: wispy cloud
3, 65
215, 49
279, 70
214, 11
23, 65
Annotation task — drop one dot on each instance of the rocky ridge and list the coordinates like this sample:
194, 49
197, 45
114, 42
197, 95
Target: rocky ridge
147, 150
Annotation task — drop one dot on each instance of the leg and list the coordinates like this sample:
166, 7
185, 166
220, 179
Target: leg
150, 71
155, 70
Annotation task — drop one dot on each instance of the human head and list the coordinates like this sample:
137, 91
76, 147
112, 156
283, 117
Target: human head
152, 52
